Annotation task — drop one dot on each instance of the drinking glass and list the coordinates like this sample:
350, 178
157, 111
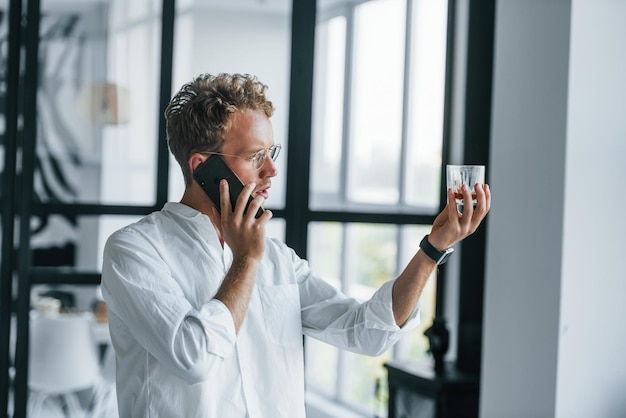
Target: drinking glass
469, 175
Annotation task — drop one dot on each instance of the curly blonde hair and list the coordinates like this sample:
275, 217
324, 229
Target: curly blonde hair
199, 114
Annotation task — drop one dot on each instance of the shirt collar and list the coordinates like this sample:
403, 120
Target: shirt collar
200, 221
183, 210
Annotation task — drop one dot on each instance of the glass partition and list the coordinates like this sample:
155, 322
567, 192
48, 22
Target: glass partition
358, 258
97, 101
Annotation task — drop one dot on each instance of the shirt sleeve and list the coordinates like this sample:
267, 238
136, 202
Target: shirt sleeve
139, 290
367, 327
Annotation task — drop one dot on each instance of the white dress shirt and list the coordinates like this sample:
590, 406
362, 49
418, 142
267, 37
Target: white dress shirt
177, 351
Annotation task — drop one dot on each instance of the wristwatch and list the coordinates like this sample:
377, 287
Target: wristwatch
437, 256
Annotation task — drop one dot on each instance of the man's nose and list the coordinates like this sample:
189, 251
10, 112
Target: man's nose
269, 168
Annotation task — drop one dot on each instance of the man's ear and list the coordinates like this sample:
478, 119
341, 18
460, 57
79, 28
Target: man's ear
195, 160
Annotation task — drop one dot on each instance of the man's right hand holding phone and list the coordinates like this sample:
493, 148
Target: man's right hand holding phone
244, 234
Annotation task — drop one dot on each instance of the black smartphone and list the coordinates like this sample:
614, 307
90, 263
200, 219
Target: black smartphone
208, 176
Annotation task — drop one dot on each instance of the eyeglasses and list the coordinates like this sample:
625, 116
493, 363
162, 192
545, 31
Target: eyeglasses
258, 158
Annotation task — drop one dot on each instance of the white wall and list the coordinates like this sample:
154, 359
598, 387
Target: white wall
554, 299
591, 379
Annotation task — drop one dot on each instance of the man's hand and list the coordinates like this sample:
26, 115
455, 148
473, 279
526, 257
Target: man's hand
243, 233
451, 226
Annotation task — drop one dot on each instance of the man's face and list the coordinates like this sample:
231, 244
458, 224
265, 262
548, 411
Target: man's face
249, 133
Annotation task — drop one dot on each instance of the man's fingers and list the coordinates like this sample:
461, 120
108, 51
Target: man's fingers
224, 198
487, 200
468, 208
242, 199
255, 205
266, 216
483, 199
453, 212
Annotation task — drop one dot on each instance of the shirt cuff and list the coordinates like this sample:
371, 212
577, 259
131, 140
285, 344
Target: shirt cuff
219, 327
383, 309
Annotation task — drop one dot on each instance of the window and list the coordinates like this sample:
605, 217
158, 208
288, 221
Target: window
358, 258
377, 136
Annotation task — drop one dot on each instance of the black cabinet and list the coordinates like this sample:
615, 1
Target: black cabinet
415, 391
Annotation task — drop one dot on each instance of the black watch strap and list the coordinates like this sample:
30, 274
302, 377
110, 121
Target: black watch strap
437, 256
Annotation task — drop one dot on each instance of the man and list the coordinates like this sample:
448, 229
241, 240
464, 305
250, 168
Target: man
206, 314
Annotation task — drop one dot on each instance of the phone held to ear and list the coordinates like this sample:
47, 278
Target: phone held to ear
208, 176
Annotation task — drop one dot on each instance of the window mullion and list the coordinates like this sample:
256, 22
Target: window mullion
405, 105
347, 106
345, 274
396, 350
